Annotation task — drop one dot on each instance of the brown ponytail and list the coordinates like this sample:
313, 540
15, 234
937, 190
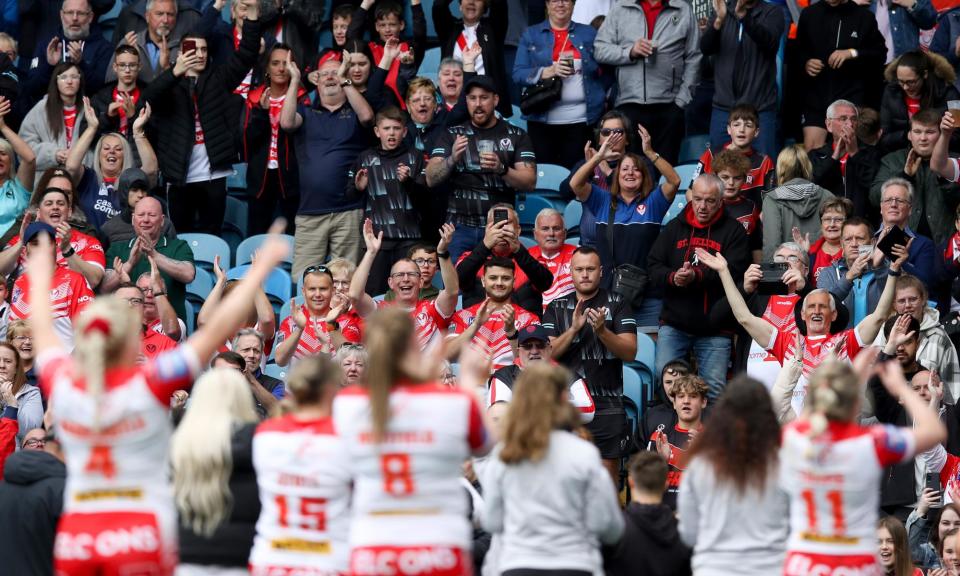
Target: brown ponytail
387, 336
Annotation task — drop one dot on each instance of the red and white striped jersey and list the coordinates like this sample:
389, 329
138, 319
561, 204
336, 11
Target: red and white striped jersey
832, 483
428, 321
69, 295
816, 349
491, 338
315, 338
157, 326
116, 446
407, 489
559, 266
87, 248
304, 482
761, 364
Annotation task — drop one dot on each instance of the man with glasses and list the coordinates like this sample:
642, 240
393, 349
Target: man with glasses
78, 40
158, 314
69, 291
426, 259
117, 102
152, 343
845, 165
312, 327
896, 204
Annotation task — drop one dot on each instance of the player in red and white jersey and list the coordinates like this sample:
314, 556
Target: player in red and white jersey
552, 251
75, 250
312, 327
304, 481
818, 314
407, 437
68, 295
491, 326
830, 467
431, 317
111, 417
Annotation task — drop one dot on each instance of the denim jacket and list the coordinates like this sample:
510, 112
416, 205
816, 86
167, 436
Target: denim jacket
905, 25
535, 52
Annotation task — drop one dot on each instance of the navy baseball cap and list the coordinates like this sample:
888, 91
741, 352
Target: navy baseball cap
36, 228
532, 332
484, 82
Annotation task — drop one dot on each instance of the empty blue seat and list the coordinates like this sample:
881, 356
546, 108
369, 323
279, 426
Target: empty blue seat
571, 216
517, 118
278, 286
528, 242
693, 147
679, 201
278, 372
528, 208
238, 179
191, 319
205, 247
549, 176
247, 248
633, 389
431, 62
199, 289
235, 221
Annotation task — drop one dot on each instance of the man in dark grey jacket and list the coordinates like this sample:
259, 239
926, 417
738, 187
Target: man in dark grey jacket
655, 45
744, 38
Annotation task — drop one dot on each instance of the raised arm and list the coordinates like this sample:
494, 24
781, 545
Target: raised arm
216, 293
869, 327
362, 302
356, 100
290, 120
229, 317
672, 183
27, 170
440, 168
580, 181
74, 164
446, 301
40, 272
759, 329
940, 160
927, 429
455, 343
148, 158
165, 311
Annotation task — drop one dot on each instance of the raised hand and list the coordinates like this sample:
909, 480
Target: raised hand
645, 140
89, 114
751, 278
446, 237
344, 65
221, 276
715, 262
579, 316
372, 241
360, 179
54, 51
185, 61
459, 147
118, 267
294, 71
607, 151
299, 318
143, 117
75, 51
63, 234
912, 164
899, 334
156, 280
802, 240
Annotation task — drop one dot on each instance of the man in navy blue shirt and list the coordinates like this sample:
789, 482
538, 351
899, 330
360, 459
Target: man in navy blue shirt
328, 138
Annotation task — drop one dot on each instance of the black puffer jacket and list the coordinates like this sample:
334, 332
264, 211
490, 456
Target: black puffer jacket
172, 100
893, 108
650, 544
31, 500
231, 541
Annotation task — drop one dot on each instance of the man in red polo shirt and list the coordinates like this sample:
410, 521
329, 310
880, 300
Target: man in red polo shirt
553, 252
152, 343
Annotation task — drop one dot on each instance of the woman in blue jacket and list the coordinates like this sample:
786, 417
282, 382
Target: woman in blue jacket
559, 47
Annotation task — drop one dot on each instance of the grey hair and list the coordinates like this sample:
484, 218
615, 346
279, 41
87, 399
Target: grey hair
13, 41
793, 246
546, 213
833, 107
833, 303
347, 350
712, 180
128, 160
248, 332
897, 181
150, 3
7, 149
450, 61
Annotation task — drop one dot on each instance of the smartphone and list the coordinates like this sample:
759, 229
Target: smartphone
499, 215
188, 45
933, 482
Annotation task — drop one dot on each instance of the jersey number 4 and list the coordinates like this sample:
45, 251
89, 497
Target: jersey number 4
306, 513
835, 499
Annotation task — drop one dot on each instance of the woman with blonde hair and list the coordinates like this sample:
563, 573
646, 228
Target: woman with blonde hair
214, 484
302, 471
793, 207
27, 396
407, 437
111, 417
20, 336
830, 466
547, 494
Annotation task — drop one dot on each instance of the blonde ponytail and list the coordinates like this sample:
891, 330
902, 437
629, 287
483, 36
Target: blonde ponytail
833, 392
387, 336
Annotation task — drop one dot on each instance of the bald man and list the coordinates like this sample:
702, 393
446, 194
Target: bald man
173, 257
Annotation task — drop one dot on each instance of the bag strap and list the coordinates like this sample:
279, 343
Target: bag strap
610, 229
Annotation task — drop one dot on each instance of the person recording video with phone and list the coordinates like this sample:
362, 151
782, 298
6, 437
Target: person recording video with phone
896, 203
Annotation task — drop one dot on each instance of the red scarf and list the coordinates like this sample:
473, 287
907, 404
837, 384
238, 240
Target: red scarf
118, 97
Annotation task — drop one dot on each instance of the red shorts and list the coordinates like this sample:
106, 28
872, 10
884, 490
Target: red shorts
806, 564
112, 544
410, 561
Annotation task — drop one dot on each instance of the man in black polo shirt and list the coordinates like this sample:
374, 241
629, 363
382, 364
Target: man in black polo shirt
487, 160
593, 332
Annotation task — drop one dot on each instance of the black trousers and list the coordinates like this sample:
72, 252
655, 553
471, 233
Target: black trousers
560, 144
665, 123
271, 204
198, 206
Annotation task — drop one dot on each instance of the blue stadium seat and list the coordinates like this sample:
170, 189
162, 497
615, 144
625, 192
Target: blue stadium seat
646, 354
633, 389
549, 176
199, 289
573, 241
679, 201
571, 216
431, 62
278, 372
517, 118
205, 247
693, 147
528, 208
235, 222
246, 249
191, 319
528, 242
285, 309
238, 180
278, 287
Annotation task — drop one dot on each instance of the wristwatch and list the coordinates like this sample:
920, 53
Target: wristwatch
68, 252
443, 255
346, 82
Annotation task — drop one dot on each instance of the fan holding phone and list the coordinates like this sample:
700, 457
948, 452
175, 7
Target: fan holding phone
896, 204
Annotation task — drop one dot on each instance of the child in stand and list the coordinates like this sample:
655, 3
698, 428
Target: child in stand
743, 127
389, 176
389, 24
734, 168
342, 16
689, 401
660, 410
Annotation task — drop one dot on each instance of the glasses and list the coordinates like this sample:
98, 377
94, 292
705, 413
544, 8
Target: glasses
608, 131
448, 377
134, 302
400, 275
793, 259
75, 13
22, 338
425, 261
560, 1
128, 66
316, 268
894, 201
832, 220
35, 443
68, 77
845, 118
908, 83
908, 300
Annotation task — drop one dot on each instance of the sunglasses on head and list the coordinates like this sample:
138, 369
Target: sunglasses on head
317, 268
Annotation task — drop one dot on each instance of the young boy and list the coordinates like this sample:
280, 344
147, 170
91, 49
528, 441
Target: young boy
388, 175
733, 168
342, 16
650, 543
389, 24
660, 410
689, 400
743, 127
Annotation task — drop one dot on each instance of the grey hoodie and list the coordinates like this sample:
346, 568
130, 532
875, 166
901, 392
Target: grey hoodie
796, 203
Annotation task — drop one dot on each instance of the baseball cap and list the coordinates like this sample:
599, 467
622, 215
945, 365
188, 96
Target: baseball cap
484, 82
532, 332
36, 228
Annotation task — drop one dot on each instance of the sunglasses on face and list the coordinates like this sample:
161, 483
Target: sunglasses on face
608, 131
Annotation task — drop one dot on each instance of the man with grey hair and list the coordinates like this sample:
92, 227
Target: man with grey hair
154, 28
896, 204
552, 251
267, 390
691, 289
845, 165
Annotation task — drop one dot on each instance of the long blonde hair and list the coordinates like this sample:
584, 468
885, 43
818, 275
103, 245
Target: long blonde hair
200, 452
101, 335
832, 395
538, 407
311, 378
387, 337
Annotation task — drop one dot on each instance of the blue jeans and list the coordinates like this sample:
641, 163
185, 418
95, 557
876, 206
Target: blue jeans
648, 315
712, 354
766, 142
465, 239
